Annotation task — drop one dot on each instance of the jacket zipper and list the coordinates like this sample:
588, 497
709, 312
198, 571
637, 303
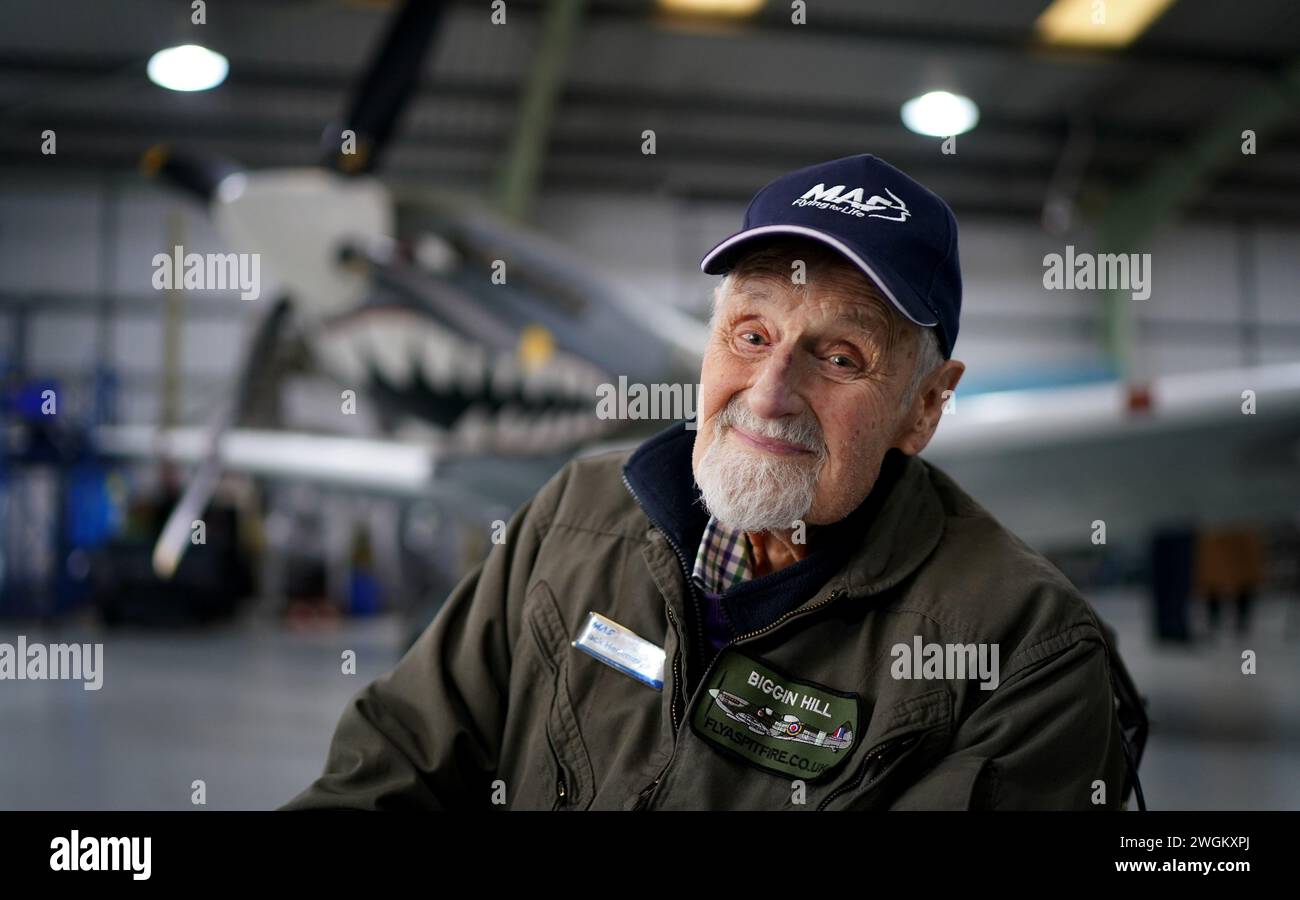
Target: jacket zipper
690, 585
672, 701
877, 752
561, 786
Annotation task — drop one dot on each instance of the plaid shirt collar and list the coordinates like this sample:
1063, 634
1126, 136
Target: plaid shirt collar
723, 560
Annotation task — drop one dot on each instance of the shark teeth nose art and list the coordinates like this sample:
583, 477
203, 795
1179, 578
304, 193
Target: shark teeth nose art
475, 399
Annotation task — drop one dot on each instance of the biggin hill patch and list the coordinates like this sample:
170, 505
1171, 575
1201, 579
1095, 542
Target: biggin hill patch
795, 728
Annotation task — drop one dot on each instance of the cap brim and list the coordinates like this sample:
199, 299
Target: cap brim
721, 258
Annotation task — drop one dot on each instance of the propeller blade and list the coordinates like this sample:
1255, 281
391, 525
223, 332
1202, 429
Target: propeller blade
175, 537
194, 171
385, 89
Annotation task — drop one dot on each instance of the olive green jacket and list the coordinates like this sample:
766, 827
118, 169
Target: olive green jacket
494, 707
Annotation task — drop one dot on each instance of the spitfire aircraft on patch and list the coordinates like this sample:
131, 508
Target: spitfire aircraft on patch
763, 721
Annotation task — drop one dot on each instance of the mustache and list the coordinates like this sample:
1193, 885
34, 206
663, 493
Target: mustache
804, 432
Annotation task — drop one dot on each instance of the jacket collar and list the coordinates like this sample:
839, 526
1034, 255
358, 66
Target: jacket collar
885, 539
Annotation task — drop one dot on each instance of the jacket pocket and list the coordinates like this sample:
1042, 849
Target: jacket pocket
920, 732
575, 781
954, 783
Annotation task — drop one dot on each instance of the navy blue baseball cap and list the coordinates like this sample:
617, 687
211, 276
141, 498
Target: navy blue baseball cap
900, 234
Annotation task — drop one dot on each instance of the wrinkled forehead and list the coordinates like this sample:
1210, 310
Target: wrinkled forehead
847, 300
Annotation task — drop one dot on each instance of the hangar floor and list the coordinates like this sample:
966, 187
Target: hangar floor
249, 710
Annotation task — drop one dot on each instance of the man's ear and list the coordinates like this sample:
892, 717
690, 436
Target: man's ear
921, 419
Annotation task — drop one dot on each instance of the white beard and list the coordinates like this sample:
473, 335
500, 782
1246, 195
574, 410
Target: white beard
748, 489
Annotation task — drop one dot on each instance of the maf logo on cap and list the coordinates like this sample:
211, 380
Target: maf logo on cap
852, 203
917, 268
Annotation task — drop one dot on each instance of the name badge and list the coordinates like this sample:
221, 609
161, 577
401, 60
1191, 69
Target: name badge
622, 649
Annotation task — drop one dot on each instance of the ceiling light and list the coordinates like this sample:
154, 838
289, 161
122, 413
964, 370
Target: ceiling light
187, 68
940, 114
1086, 23
734, 8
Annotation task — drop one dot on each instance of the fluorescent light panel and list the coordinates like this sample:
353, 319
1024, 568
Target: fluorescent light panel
731, 8
1098, 23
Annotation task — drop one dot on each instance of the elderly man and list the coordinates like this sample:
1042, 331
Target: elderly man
786, 609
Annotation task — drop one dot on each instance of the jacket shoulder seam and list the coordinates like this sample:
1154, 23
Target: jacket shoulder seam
609, 532
1052, 646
